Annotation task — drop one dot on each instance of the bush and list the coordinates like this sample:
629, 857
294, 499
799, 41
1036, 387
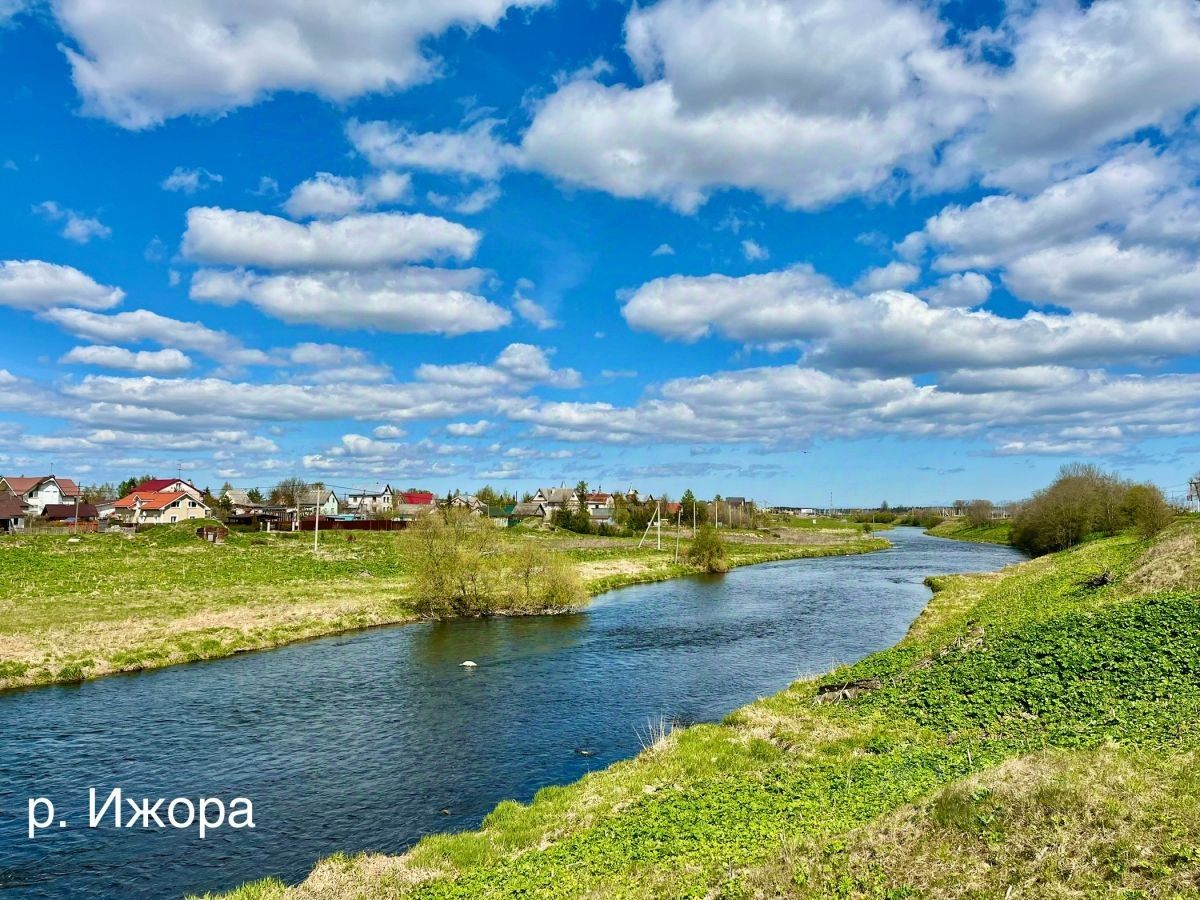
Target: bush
464, 570
707, 551
1147, 510
539, 580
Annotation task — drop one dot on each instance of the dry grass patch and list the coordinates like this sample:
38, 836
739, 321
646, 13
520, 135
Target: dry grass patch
1054, 824
1170, 564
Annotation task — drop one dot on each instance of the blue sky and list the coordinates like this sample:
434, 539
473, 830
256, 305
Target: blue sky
898, 251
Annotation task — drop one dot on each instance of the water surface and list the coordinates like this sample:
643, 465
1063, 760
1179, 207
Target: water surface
369, 741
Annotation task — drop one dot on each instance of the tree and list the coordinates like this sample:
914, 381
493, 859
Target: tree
1081, 501
979, 512
1147, 509
126, 487
582, 518
254, 495
707, 551
692, 509
289, 491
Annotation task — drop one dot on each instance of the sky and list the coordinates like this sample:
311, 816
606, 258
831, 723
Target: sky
862, 249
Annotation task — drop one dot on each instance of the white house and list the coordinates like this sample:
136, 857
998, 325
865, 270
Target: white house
329, 504
371, 503
554, 499
39, 491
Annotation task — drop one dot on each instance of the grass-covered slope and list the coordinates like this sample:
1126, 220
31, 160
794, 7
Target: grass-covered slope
74, 609
1032, 731
997, 532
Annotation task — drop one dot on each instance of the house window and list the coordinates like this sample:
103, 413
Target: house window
192, 504
173, 518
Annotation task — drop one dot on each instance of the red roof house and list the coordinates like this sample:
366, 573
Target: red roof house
418, 498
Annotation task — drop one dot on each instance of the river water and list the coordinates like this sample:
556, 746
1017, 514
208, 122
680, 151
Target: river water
369, 741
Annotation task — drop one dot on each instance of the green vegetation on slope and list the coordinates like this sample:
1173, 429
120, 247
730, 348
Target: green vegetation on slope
995, 532
110, 603
892, 776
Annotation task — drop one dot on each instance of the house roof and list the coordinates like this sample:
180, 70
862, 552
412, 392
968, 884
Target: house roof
325, 495
496, 510
238, 497
150, 499
12, 508
532, 508
599, 498
557, 495
410, 509
158, 485
59, 511
424, 498
24, 485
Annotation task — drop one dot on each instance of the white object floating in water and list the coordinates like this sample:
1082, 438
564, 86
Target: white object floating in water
467, 665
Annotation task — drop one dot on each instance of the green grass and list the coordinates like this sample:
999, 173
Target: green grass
996, 532
1029, 730
109, 603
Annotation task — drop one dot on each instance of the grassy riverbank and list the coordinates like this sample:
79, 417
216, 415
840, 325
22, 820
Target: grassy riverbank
1033, 735
108, 603
997, 532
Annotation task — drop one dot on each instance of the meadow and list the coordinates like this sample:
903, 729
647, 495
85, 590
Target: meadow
1034, 734
104, 603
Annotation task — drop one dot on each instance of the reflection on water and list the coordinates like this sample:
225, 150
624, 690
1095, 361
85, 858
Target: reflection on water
365, 742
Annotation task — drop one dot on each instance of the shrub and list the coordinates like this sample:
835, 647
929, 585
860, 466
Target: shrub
539, 580
707, 551
1147, 509
464, 570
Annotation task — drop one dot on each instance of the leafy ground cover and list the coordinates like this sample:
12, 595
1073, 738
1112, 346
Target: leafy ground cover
109, 603
1033, 735
996, 532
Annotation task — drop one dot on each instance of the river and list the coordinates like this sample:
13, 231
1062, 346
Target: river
369, 741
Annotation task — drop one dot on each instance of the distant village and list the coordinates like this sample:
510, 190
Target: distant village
51, 501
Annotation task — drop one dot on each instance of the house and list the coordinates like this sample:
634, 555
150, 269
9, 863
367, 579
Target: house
168, 486
264, 518
603, 515
239, 501
470, 503
530, 510
599, 500
14, 513
37, 492
554, 499
410, 512
329, 504
159, 507
105, 508
501, 514
417, 498
68, 513
371, 503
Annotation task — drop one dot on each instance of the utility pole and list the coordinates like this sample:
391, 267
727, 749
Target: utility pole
76, 514
678, 528
317, 515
